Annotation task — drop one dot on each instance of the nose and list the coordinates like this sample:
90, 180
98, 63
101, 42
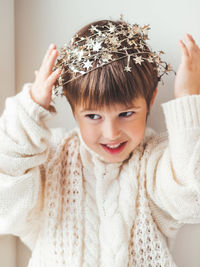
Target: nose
111, 131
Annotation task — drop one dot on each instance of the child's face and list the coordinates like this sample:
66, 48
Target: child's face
113, 132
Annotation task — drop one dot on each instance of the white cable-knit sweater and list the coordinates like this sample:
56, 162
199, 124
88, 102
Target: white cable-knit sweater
73, 209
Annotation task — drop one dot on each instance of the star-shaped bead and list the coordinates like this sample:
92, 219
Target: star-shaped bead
90, 43
111, 28
80, 54
114, 41
127, 69
138, 60
87, 64
97, 46
106, 57
150, 59
141, 46
93, 29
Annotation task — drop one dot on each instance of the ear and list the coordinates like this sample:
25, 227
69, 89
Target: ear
153, 97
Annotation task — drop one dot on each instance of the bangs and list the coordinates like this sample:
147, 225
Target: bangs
110, 85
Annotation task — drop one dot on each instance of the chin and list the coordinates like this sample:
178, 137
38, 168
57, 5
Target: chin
114, 159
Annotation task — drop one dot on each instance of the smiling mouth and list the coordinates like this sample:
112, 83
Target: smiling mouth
114, 149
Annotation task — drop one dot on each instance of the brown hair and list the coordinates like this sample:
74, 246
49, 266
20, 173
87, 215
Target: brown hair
110, 84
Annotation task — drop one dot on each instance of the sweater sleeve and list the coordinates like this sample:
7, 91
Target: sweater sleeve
173, 167
24, 141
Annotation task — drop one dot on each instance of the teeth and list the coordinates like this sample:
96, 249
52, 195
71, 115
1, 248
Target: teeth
113, 146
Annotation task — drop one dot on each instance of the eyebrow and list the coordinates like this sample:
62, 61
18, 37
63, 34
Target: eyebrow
126, 108
130, 107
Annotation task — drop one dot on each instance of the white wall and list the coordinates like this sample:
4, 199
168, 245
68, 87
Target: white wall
7, 88
7, 73
39, 23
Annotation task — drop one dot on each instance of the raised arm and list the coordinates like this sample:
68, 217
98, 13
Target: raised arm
24, 145
173, 167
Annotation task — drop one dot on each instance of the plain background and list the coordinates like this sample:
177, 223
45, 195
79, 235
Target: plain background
28, 27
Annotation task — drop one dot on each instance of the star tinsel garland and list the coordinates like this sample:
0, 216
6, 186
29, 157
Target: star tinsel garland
106, 44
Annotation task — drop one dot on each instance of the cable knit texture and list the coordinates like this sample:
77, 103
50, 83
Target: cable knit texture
73, 209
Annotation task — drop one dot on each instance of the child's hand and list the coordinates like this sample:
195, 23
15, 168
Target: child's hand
187, 80
41, 91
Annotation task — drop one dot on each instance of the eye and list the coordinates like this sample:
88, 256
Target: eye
93, 116
126, 114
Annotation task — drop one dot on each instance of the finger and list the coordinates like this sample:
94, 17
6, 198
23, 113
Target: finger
191, 45
191, 39
53, 77
48, 52
184, 50
46, 68
195, 44
51, 61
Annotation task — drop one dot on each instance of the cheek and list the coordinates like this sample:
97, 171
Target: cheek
137, 129
89, 133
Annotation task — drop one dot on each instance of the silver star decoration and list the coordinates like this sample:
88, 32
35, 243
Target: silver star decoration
96, 57
111, 28
106, 58
87, 64
157, 59
138, 60
141, 46
145, 31
80, 54
97, 47
74, 69
127, 69
90, 43
114, 41
93, 29
82, 72
150, 59
137, 29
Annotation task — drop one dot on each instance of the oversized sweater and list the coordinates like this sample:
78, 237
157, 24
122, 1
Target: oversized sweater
74, 209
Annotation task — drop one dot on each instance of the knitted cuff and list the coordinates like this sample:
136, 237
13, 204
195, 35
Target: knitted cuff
182, 113
31, 107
